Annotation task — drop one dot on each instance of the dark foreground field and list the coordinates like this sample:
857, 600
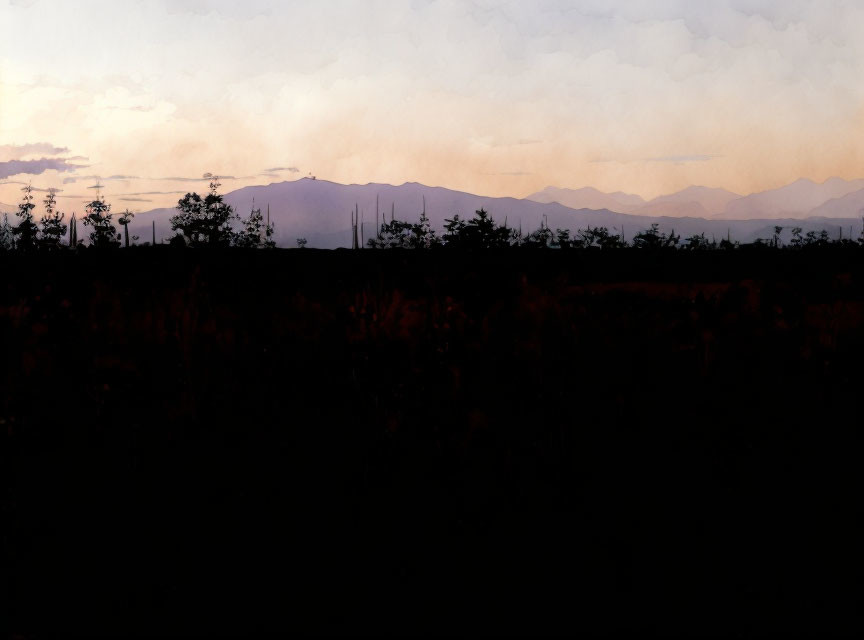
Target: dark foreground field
348, 442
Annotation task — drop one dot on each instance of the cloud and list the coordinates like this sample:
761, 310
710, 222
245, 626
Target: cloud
18, 151
21, 182
682, 159
275, 169
135, 200
118, 177
206, 176
152, 193
36, 167
135, 108
509, 173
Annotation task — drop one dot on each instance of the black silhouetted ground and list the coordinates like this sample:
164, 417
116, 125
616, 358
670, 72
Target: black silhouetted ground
347, 442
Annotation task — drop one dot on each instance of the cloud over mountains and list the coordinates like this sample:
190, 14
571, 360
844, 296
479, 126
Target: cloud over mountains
36, 167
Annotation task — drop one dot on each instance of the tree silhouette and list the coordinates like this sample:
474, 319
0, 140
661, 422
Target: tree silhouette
542, 238
816, 240
598, 237
653, 239
26, 231
480, 232
776, 238
255, 232
422, 234
204, 221
698, 242
104, 234
53, 228
562, 239
124, 219
797, 241
73, 232
7, 234
396, 234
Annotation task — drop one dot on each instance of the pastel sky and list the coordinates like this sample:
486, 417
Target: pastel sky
493, 97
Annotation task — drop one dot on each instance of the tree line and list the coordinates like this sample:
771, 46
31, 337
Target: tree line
482, 232
200, 221
209, 221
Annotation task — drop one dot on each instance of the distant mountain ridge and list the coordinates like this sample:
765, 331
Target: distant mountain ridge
833, 198
695, 201
796, 200
320, 211
588, 198
711, 200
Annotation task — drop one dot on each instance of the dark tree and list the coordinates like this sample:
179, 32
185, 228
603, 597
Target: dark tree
124, 220
255, 233
7, 234
698, 242
776, 238
797, 241
26, 231
542, 238
73, 231
204, 221
653, 239
53, 228
562, 239
396, 234
599, 238
816, 240
480, 232
104, 234
422, 234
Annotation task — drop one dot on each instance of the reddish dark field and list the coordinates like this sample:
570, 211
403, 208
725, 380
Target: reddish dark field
344, 442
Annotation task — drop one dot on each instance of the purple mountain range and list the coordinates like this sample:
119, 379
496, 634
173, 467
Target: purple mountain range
320, 211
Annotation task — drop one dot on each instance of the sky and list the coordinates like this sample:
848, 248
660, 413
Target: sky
499, 98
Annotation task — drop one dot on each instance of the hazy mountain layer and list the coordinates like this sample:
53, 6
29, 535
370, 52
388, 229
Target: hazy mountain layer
320, 212
588, 198
795, 200
849, 206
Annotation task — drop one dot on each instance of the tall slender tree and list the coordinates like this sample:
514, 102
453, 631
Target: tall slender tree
124, 219
26, 231
53, 228
73, 231
7, 234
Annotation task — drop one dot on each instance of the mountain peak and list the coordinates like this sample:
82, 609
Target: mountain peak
588, 198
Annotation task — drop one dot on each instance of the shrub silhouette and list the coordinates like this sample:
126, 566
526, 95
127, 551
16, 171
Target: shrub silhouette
698, 242
652, 239
255, 233
204, 221
480, 232
104, 234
